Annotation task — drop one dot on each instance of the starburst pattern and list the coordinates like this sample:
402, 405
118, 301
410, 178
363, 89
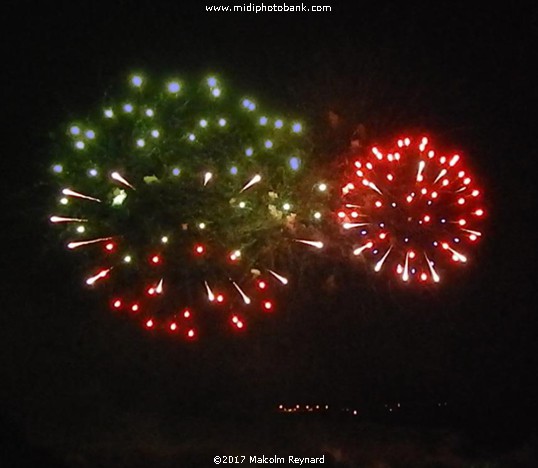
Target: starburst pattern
411, 210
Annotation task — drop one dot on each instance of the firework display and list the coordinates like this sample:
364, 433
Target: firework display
180, 203
411, 210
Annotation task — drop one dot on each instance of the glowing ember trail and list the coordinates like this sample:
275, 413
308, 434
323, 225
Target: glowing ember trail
279, 277
71, 193
246, 299
316, 244
60, 219
210, 294
257, 178
75, 245
102, 274
119, 178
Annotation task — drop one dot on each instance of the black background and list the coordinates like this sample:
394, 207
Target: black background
463, 73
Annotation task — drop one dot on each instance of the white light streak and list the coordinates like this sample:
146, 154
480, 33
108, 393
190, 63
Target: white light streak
210, 294
405, 273
441, 174
60, 219
454, 160
434, 274
316, 244
71, 193
354, 225
359, 250
421, 166
474, 233
374, 187
458, 257
246, 299
119, 178
280, 278
76, 245
257, 178
379, 264
102, 274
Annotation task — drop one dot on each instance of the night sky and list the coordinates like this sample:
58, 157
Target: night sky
462, 73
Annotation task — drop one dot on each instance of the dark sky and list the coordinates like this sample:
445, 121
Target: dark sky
462, 72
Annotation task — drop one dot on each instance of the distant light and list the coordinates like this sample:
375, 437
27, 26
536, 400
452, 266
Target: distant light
192, 137
242, 204
286, 206
263, 120
81, 229
279, 123
203, 123
128, 108
268, 144
109, 113
215, 92
317, 215
150, 112
80, 145
296, 127
74, 130
249, 151
233, 170
212, 81
90, 134
140, 143
176, 171
164, 239
127, 259
155, 133
222, 122
58, 168
322, 187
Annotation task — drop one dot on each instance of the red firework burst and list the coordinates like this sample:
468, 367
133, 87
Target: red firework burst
412, 210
